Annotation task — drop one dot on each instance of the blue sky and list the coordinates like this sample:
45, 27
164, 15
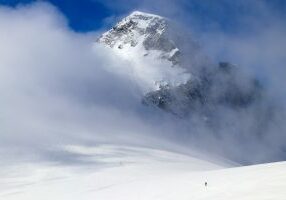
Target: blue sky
82, 15
226, 15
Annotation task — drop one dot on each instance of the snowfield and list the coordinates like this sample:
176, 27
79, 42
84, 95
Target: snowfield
109, 172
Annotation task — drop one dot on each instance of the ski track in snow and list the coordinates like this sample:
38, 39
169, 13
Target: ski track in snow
140, 173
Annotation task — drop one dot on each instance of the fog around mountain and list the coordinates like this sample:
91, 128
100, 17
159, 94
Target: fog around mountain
59, 87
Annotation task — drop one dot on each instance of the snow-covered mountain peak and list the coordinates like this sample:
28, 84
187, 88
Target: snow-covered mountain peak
139, 29
143, 19
145, 41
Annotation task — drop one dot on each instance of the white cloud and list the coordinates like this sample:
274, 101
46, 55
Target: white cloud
56, 89
52, 81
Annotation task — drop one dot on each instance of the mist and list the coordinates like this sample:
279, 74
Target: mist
59, 87
249, 35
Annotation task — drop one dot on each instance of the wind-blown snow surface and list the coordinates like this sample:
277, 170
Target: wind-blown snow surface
124, 172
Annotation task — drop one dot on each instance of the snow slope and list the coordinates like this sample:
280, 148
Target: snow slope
123, 173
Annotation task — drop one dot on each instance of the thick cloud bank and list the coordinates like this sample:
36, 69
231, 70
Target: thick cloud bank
58, 88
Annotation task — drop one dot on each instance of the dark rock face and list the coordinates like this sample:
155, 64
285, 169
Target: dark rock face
177, 100
224, 86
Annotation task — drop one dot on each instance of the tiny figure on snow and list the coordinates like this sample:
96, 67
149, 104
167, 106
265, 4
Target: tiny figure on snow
206, 184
